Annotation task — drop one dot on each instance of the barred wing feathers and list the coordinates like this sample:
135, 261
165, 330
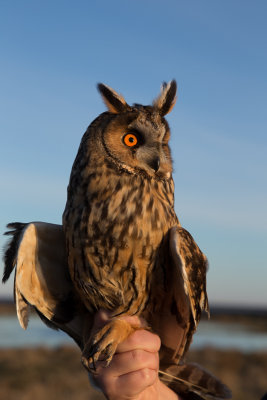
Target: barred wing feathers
193, 382
179, 317
37, 252
192, 266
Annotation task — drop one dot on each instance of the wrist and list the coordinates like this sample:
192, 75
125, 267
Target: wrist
166, 393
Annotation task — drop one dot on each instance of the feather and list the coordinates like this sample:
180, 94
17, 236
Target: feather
179, 311
194, 382
165, 102
42, 281
11, 248
192, 265
114, 102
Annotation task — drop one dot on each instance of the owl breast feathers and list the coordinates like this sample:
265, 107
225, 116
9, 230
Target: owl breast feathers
121, 248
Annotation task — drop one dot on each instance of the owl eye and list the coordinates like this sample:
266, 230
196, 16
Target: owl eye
130, 139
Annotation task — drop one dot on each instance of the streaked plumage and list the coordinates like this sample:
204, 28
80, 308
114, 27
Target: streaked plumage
118, 221
123, 248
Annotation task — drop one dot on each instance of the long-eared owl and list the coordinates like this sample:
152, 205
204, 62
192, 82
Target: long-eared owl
126, 249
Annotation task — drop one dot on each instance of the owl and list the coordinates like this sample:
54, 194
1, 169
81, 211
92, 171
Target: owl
121, 247
119, 222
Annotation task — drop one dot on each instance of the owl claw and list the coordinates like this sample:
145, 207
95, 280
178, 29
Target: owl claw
104, 344
102, 348
89, 364
97, 345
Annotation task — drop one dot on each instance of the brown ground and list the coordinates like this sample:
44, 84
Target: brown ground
30, 374
244, 374
44, 374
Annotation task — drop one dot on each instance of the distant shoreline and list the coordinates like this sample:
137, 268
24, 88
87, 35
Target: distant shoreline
217, 312
7, 306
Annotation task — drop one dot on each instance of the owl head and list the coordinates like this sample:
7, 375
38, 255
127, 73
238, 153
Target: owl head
135, 138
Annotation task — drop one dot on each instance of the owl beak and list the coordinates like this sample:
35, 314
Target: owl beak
154, 163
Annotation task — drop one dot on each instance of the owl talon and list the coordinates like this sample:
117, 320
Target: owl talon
104, 344
97, 345
89, 364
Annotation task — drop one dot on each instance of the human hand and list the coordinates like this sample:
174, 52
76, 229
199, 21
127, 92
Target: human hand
133, 371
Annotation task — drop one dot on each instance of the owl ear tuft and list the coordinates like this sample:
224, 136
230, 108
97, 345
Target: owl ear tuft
114, 102
167, 98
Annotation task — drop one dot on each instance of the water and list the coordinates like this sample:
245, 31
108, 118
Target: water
37, 334
225, 335
215, 334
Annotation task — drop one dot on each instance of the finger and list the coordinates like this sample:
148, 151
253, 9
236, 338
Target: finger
127, 362
124, 369
136, 382
140, 339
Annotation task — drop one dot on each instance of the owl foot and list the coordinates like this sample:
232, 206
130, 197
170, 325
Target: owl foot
103, 345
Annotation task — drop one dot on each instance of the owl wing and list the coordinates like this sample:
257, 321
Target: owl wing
191, 265
185, 296
179, 316
193, 382
37, 251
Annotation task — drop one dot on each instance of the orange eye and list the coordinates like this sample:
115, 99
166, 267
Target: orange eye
130, 140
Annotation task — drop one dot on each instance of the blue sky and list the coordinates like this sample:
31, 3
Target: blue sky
52, 55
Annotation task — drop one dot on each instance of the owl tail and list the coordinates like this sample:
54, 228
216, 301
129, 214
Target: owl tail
193, 382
